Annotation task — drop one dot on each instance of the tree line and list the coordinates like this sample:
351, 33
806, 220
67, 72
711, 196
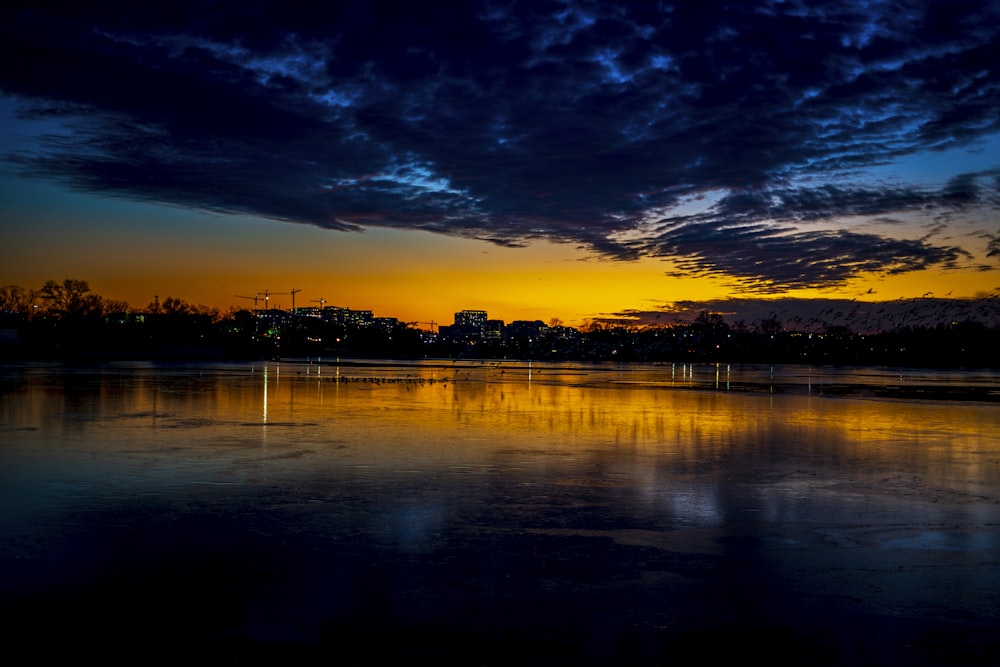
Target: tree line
67, 320
73, 298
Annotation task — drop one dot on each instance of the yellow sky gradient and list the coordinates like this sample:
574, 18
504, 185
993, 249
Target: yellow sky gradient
133, 251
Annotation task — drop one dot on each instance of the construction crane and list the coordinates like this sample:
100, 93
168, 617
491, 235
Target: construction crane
293, 292
267, 294
253, 298
320, 302
432, 323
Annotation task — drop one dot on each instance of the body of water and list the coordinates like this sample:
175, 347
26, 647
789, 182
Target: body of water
496, 512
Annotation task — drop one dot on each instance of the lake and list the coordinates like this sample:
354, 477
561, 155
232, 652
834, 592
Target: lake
484, 512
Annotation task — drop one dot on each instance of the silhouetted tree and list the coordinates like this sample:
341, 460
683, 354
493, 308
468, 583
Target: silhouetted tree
173, 306
16, 299
114, 306
70, 298
710, 323
769, 325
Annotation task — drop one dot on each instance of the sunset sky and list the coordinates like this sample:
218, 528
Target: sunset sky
536, 160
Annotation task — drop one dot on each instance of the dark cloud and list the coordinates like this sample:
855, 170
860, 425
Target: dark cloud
817, 315
596, 124
993, 246
740, 238
762, 258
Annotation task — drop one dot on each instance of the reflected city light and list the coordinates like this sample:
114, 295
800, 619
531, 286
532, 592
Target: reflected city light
484, 485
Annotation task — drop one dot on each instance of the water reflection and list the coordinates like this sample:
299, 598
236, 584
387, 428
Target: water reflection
442, 410
760, 473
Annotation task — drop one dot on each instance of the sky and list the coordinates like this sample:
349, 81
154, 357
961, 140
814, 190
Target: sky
537, 160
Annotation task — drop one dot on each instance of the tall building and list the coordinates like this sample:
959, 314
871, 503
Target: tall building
469, 327
474, 319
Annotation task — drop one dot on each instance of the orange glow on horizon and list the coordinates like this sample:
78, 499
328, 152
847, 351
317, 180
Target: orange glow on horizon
135, 252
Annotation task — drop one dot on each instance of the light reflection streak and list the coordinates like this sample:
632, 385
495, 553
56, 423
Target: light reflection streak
544, 426
264, 414
820, 491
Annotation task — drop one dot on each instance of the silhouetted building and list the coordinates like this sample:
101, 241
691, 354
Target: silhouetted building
493, 331
347, 317
386, 324
525, 329
474, 319
560, 332
469, 327
360, 318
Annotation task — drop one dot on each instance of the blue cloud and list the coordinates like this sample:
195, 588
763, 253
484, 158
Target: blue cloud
584, 123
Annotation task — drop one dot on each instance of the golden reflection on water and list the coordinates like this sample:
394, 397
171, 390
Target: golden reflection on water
890, 503
440, 415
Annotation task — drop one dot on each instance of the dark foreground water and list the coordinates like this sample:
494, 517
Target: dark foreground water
485, 513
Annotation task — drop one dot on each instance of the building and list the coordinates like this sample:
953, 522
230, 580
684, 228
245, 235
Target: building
473, 319
347, 317
493, 331
469, 327
525, 329
386, 325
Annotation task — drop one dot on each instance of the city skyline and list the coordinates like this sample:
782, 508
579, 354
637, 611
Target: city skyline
575, 161
923, 313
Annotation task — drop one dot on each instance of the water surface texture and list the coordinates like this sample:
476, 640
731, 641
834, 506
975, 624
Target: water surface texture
501, 512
